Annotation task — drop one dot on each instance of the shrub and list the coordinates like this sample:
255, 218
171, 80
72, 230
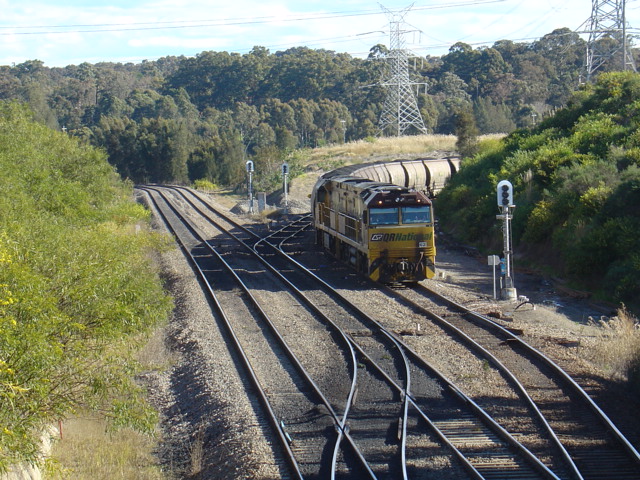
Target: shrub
76, 284
204, 185
540, 224
618, 347
576, 186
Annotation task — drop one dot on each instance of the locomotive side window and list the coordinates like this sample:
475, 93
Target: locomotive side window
420, 214
383, 216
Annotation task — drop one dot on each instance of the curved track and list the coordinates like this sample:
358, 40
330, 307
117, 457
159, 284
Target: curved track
587, 442
309, 430
422, 405
595, 445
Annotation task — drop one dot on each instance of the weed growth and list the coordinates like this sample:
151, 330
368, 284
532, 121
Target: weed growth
618, 347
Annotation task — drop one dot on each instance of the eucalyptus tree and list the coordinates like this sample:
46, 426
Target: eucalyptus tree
304, 112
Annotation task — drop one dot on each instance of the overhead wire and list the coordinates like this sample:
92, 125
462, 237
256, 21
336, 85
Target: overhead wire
298, 17
182, 24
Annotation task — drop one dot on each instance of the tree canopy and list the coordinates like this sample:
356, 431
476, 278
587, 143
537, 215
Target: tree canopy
185, 118
576, 178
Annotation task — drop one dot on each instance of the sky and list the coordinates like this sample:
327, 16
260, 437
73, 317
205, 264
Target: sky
70, 32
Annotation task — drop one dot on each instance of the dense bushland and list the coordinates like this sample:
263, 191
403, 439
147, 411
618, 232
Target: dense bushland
576, 179
179, 119
77, 285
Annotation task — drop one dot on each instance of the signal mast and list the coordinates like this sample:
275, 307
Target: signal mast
505, 203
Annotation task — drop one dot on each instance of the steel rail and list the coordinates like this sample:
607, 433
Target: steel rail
290, 457
301, 296
340, 422
485, 321
503, 433
476, 407
341, 425
566, 457
532, 458
404, 394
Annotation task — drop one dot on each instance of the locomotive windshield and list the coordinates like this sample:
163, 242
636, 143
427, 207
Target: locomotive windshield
420, 214
383, 216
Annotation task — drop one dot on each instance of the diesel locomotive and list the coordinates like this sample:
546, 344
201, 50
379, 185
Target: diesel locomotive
383, 230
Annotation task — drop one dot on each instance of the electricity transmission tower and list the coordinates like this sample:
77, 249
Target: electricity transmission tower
607, 36
400, 107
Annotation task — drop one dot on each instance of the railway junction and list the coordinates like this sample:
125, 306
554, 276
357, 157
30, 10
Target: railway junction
277, 375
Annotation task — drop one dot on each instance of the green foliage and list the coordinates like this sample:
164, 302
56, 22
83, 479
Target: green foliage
269, 168
179, 119
467, 133
75, 282
577, 189
595, 133
492, 118
205, 185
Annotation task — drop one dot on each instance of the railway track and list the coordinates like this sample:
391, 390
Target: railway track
490, 451
595, 445
293, 403
293, 323
590, 445
376, 423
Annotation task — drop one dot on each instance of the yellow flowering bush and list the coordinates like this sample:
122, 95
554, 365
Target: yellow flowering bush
76, 282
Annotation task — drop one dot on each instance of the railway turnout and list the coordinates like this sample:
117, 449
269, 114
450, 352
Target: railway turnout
347, 397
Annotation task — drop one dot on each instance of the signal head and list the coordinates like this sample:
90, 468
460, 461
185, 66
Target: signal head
505, 194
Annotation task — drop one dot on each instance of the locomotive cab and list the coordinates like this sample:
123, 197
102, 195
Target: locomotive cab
383, 230
400, 225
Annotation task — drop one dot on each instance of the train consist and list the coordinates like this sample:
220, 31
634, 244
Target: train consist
427, 174
384, 229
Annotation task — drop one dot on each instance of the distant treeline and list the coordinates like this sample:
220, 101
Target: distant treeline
187, 118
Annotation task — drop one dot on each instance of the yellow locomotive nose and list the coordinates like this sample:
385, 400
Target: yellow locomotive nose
385, 231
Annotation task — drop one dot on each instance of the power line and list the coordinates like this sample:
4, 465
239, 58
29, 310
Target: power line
183, 24
222, 22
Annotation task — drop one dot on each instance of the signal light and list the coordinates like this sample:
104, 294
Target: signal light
505, 194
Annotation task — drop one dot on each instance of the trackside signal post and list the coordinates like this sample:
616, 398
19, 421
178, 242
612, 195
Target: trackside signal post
250, 187
506, 205
285, 175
